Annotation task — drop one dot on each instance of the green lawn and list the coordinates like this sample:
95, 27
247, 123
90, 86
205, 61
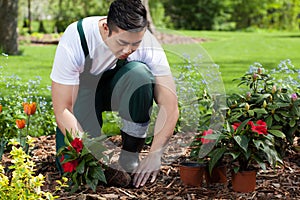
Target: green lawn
35, 61
232, 51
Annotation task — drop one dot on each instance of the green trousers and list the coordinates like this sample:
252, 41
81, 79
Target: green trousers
128, 89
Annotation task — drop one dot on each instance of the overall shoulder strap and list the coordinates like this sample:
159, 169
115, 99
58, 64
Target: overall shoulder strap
82, 38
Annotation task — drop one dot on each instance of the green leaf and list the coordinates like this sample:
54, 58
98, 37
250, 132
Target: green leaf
241, 127
261, 163
292, 123
257, 143
215, 157
269, 121
277, 133
234, 155
260, 110
69, 136
92, 164
277, 118
242, 141
251, 113
92, 183
99, 174
85, 151
80, 168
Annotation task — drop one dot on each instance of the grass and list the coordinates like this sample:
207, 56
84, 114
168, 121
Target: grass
35, 61
234, 52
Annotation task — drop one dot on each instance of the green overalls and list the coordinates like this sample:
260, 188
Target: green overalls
127, 88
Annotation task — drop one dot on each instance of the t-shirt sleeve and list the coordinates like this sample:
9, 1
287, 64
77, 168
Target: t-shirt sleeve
152, 54
67, 66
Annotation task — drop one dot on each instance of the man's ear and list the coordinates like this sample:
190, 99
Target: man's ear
105, 27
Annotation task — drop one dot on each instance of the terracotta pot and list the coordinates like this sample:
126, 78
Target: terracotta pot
192, 174
244, 181
218, 175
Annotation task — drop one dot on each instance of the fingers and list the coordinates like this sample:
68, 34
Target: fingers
154, 175
140, 179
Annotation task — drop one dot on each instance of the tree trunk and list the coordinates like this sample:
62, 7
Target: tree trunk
151, 25
8, 26
29, 16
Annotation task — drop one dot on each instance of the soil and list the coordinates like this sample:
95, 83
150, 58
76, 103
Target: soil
283, 183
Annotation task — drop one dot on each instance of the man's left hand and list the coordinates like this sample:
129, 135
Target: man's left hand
149, 166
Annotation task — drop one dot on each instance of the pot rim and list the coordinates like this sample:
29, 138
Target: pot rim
192, 164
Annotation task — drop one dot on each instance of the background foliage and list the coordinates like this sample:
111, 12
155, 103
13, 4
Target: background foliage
179, 14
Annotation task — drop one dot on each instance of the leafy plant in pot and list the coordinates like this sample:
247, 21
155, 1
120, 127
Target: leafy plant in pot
249, 144
203, 150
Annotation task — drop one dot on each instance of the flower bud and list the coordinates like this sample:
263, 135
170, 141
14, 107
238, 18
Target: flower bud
247, 107
274, 89
273, 112
279, 89
248, 96
254, 77
294, 97
265, 104
271, 98
259, 70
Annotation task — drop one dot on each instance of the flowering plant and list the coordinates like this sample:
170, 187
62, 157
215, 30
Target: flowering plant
250, 143
198, 143
79, 163
261, 120
269, 98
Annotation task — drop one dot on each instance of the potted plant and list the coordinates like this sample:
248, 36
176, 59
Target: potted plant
258, 119
203, 150
271, 97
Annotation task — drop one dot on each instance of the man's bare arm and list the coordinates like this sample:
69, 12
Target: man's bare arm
63, 99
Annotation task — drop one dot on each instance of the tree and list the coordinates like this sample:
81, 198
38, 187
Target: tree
151, 25
8, 26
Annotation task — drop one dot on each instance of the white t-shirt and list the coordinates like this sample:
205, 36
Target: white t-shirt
69, 58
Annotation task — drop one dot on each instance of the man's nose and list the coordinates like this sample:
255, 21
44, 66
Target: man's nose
127, 49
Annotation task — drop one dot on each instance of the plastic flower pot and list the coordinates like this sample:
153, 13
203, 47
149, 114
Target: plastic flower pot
244, 181
192, 174
218, 175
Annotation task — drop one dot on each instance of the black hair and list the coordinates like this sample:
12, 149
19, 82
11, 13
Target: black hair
129, 15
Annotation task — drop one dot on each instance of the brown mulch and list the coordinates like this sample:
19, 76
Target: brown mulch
284, 183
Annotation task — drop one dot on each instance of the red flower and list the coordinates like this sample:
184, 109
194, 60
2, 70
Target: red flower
0, 108
77, 144
20, 123
260, 128
236, 125
29, 108
208, 132
70, 166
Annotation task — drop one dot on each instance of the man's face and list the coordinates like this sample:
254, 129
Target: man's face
123, 43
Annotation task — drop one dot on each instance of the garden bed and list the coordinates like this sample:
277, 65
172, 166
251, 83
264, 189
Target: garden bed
284, 183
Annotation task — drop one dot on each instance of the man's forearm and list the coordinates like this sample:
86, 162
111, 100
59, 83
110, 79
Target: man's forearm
164, 128
67, 121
